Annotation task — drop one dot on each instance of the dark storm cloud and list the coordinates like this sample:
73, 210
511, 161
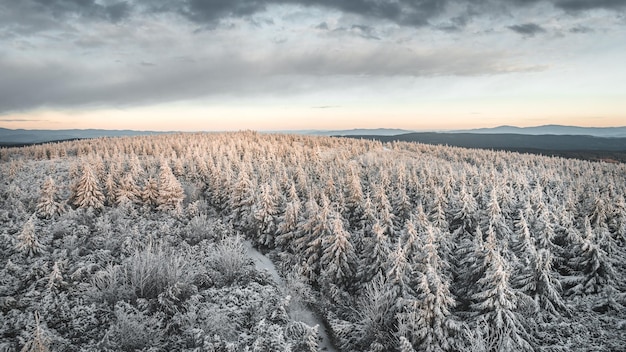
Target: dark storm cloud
404, 12
528, 29
581, 5
112, 10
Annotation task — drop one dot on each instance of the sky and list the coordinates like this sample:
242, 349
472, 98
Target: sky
193, 65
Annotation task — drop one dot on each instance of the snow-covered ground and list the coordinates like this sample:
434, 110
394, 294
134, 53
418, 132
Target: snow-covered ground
298, 311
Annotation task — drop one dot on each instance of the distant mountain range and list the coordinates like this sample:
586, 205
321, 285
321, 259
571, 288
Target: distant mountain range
555, 137
607, 132
354, 132
18, 137
510, 141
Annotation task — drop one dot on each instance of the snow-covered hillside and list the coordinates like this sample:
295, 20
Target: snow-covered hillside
137, 243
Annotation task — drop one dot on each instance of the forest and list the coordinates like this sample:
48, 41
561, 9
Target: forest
139, 244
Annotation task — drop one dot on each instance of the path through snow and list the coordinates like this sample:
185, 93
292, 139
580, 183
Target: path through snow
302, 313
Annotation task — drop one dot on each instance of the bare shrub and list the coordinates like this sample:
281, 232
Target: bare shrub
132, 330
229, 259
152, 270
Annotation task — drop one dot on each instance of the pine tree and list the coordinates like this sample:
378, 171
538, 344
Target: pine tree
86, 192
48, 205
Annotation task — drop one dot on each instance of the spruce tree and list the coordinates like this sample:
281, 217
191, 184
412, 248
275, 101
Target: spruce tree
374, 255
496, 304
150, 192
171, 194
338, 258
86, 192
48, 205
27, 241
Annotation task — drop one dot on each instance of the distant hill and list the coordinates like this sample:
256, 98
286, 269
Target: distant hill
579, 147
18, 137
612, 132
354, 132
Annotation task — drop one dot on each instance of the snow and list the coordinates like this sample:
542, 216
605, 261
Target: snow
298, 311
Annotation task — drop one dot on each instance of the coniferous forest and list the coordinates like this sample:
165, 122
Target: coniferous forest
142, 244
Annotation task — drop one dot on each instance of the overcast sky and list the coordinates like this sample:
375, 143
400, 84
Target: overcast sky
293, 64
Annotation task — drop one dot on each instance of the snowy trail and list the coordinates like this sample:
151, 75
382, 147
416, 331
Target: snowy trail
305, 315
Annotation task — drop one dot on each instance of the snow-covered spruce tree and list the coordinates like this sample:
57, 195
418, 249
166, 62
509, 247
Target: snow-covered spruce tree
171, 194
288, 221
241, 200
384, 210
354, 197
338, 258
374, 255
375, 316
538, 281
468, 266
411, 240
150, 193
314, 227
402, 207
437, 215
593, 267
427, 321
39, 342
496, 304
493, 217
86, 192
48, 204
265, 210
369, 217
27, 241
127, 192
399, 272
464, 212
522, 242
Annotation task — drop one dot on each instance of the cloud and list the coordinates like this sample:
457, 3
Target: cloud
21, 120
41, 14
581, 29
582, 5
527, 29
29, 85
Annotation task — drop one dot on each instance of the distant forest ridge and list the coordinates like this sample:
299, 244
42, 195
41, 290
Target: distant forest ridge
21, 137
579, 147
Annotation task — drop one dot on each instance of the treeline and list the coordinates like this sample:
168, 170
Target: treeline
405, 246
